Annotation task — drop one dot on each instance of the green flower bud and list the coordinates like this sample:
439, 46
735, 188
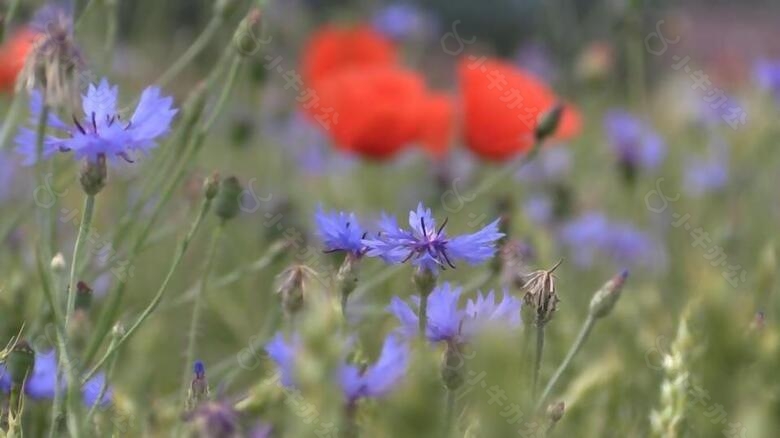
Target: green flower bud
94, 175
425, 281
20, 362
548, 122
605, 298
228, 198
211, 186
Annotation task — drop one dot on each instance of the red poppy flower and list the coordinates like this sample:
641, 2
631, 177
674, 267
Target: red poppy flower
501, 108
13, 55
438, 124
375, 111
331, 49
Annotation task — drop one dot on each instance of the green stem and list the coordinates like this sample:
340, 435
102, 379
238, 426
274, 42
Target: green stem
86, 221
575, 348
104, 385
194, 50
538, 356
11, 117
449, 413
13, 5
506, 171
111, 27
423, 315
197, 308
185, 243
84, 13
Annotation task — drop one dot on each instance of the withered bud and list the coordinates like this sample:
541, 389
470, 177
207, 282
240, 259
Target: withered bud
541, 293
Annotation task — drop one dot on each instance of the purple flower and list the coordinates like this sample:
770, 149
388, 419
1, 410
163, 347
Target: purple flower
592, 236
707, 174
41, 384
551, 166
101, 132
767, 75
378, 379
447, 321
633, 141
540, 209
283, 353
399, 21
215, 419
340, 231
429, 247
535, 58
261, 430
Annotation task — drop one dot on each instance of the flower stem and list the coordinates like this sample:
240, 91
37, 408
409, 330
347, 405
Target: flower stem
86, 221
423, 315
193, 51
575, 348
506, 171
538, 357
13, 5
197, 308
185, 243
449, 413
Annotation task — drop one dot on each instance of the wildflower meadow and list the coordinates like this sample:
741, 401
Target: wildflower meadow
412, 218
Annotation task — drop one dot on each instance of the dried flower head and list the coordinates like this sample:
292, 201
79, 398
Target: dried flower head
541, 294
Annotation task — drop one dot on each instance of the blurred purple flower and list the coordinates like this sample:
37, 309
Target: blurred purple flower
633, 141
429, 247
101, 132
592, 236
767, 75
551, 166
261, 430
708, 174
378, 379
400, 20
283, 353
41, 384
448, 322
215, 419
536, 58
340, 231
539, 208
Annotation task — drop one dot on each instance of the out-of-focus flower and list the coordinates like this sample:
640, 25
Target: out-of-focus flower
216, 419
596, 62
55, 62
437, 124
708, 174
636, 145
767, 75
13, 55
41, 384
449, 322
502, 105
340, 231
592, 236
334, 49
379, 378
282, 352
539, 208
551, 166
372, 112
429, 247
101, 132
261, 430
535, 58
400, 21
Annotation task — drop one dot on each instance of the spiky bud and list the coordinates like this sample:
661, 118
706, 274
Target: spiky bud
94, 175
555, 411
199, 387
604, 299
228, 198
83, 296
290, 288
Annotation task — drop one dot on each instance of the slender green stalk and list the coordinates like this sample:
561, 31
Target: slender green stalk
423, 315
197, 308
84, 13
10, 13
104, 386
86, 221
193, 51
538, 357
504, 172
111, 27
11, 117
449, 413
185, 243
575, 348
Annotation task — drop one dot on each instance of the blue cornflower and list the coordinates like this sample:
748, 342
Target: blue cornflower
101, 132
41, 384
592, 236
379, 378
634, 142
340, 231
374, 381
703, 175
767, 74
447, 321
429, 247
283, 353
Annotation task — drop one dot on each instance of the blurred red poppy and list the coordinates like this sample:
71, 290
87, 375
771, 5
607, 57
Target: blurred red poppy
501, 108
331, 49
438, 123
378, 109
13, 54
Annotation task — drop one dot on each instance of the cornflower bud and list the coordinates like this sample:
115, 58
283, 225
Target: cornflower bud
605, 298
